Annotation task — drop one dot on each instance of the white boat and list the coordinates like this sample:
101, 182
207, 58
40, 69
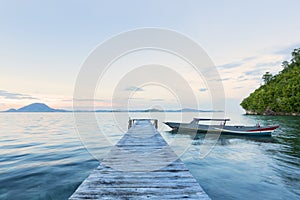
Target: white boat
222, 128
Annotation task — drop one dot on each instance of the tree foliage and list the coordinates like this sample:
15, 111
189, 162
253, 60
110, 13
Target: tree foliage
267, 77
280, 93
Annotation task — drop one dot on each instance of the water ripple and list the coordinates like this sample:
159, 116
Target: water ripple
41, 157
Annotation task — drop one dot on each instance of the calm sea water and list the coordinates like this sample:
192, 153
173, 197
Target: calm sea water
42, 157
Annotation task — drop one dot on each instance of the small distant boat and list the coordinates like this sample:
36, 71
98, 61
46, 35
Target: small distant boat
222, 128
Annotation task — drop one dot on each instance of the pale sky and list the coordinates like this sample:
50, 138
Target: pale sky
44, 43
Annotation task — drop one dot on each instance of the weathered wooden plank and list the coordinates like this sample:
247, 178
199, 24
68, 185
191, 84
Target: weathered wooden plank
198, 196
140, 166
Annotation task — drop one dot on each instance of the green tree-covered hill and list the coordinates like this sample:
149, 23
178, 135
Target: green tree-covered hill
280, 95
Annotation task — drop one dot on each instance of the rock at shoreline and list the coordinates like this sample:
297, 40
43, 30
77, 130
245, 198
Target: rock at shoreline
271, 113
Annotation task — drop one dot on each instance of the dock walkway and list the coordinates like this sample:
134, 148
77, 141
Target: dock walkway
141, 166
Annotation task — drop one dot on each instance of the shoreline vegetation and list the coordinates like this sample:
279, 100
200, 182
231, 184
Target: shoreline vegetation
280, 94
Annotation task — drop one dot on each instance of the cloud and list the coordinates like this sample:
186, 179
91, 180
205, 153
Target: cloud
135, 89
253, 72
242, 78
145, 99
287, 50
86, 100
225, 79
238, 87
249, 58
230, 65
14, 96
268, 64
245, 79
157, 100
203, 89
261, 68
221, 79
237, 63
136, 98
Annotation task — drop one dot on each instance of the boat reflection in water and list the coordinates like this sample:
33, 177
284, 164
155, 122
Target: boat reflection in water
198, 138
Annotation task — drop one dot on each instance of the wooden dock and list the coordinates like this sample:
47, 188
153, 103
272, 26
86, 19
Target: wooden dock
141, 166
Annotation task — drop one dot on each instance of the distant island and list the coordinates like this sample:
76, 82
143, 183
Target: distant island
280, 94
41, 107
36, 107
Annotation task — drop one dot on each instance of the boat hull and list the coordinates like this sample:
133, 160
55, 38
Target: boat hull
225, 130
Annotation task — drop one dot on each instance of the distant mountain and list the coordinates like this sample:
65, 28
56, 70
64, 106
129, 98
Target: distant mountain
157, 110
36, 107
191, 110
11, 110
41, 107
